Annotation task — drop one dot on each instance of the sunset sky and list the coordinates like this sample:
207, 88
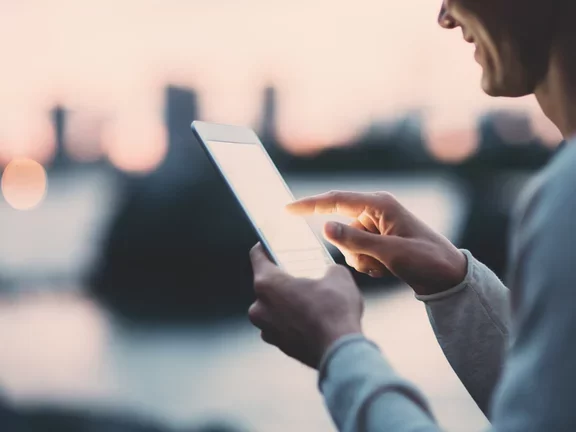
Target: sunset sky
337, 64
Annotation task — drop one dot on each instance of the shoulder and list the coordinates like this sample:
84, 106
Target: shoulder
549, 192
556, 196
544, 221
544, 225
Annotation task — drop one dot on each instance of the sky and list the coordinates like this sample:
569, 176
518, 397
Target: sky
337, 65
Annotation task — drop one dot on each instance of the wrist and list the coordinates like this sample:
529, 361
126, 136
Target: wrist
336, 333
464, 282
452, 271
338, 346
459, 271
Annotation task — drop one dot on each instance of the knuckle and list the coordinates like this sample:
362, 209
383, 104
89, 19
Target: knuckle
353, 240
255, 314
253, 311
351, 260
387, 199
269, 284
349, 238
260, 283
364, 261
336, 195
388, 204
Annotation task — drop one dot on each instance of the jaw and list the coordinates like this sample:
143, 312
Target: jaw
504, 75
556, 93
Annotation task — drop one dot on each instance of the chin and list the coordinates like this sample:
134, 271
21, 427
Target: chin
509, 88
490, 90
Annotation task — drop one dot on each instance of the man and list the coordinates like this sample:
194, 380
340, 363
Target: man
515, 351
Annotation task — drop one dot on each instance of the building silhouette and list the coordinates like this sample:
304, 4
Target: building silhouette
268, 129
59, 118
180, 110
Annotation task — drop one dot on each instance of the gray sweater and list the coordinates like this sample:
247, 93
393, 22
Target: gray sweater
515, 351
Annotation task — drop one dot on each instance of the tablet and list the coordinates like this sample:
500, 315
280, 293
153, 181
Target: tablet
260, 190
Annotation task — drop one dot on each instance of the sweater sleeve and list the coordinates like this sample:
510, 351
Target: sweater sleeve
363, 393
471, 322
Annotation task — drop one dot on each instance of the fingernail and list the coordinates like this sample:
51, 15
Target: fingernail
374, 273
334, 229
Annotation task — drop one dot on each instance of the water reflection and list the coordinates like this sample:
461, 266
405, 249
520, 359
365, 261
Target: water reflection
53, 346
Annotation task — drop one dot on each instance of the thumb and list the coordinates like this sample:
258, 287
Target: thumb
359, 241
260, 260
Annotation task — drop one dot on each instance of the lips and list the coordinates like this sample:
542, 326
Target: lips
477, 55
467, 36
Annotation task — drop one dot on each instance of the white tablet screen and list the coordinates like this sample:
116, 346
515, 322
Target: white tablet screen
259, 187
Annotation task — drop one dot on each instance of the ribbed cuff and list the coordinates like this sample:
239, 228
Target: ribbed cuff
460, 287
337, 346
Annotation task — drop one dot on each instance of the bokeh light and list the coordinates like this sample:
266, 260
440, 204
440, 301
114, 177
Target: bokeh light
24, 184
135, 146
450, 143
25, 134
514, 128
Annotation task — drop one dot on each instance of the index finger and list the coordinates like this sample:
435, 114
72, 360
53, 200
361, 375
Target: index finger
351, 204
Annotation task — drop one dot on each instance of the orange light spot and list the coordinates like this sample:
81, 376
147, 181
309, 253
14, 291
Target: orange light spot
26, 137
137, 148
24, 184
450, 144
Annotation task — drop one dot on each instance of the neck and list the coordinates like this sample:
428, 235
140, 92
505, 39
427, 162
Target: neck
557, 92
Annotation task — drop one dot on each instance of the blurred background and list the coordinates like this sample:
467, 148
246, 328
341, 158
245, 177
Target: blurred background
124, 274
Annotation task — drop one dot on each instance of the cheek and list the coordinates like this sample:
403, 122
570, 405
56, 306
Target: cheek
491, 47
487, 56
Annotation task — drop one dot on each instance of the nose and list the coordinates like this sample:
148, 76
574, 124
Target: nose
445, 20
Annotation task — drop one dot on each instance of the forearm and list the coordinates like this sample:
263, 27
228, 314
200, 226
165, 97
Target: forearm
471, 323
364, 394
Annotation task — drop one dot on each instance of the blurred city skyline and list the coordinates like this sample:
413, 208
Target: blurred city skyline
337, 67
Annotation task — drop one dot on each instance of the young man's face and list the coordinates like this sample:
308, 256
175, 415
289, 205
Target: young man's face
513, 40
